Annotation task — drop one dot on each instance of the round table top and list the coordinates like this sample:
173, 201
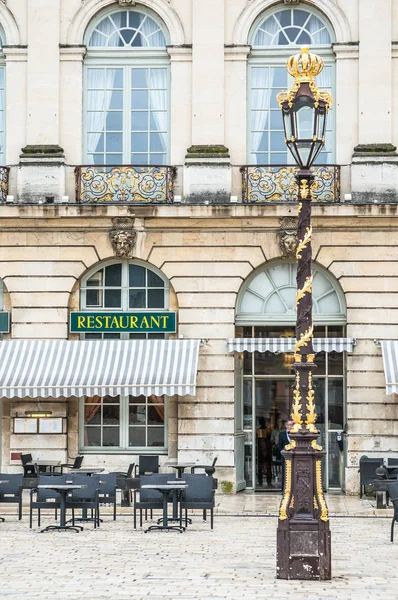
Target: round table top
44, 463
179, 465
61, 486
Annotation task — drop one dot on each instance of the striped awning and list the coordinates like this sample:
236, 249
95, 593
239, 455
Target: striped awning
389, 349
54, 368
277, 345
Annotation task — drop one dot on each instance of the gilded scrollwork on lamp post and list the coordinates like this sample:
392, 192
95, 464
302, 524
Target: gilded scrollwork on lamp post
303, 538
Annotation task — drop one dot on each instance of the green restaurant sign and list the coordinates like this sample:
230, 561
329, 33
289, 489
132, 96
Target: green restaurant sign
4, 322
118, 322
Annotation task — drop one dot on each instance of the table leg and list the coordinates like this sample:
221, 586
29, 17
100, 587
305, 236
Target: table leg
62, 518
165, 519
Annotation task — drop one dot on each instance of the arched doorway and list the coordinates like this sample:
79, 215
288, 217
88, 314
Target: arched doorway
265, 332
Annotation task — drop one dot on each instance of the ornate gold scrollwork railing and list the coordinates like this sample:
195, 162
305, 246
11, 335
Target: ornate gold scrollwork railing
4, 179
125, 184
276, 183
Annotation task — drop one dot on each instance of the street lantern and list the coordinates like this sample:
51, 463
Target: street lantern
303, 535
304, 109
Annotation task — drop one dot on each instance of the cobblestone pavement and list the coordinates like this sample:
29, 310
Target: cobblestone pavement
235, 560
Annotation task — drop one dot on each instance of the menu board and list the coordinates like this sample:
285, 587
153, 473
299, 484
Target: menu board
50, 425
25, 425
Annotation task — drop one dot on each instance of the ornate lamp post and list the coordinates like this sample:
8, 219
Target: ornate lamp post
303, 537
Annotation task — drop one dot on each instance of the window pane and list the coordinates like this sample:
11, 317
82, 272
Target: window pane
139, 159
139, 120
335, 363
93, 297
139, 99
139, 142
137, 415
113, 298
136, 276
137, 336
137, 299
156, 414
111, 415
110, 436
137, 436
155, 298
137, 399
156, 436
336, 413
92, 436
114, 159
114, 99
95, 79
113, 275
139, 78
114, 78
154, 280
92, 414
114, 142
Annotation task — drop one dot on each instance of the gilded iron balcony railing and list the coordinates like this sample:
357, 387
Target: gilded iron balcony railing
125, 184
4, 180
276, 183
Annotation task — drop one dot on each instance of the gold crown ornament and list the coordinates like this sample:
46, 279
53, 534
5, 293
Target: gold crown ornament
304, 67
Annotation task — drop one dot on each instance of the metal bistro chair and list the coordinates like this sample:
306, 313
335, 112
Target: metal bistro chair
209, 469
367, 469
107, 491
199, 494
147, 465
85, 498
77, 463
28, 469
11, 492
150, 499
393, 493
45, 499
123, 476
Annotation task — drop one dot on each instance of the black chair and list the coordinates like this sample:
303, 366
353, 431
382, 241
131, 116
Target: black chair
367, 469
107, 491
77, 463
27, 469
209, 469
11, 492
85, 498
199, 494
393, 493
150, 499
147, 464
47, 499
128, 473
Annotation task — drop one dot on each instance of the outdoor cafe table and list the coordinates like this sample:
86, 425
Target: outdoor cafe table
180, 467
63, 490
44, 463
89, 471
165, 489
3, 481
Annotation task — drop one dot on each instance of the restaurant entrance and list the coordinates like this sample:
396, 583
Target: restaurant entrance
267, 399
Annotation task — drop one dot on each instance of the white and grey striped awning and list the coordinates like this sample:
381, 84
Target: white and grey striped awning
54, 368
389, 349
277, 345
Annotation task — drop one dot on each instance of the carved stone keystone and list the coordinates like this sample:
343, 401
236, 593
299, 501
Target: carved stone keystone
123, 237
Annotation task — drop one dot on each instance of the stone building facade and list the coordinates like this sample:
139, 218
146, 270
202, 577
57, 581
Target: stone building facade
184, 90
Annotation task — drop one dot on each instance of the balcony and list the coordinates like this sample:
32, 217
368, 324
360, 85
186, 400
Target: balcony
127, 184
276, 183
4, 179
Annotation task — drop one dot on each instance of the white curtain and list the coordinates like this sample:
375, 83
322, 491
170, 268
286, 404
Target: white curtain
98, 101
158, 102
261, 89
151, 32
314, 28
102, 33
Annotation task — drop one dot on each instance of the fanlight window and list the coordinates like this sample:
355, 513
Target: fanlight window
271, 296
127, 29
292, 27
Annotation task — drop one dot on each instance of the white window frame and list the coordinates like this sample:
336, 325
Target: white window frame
126, 59
3, 161
276, 56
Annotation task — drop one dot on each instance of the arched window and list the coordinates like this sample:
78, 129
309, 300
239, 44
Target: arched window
2, 99
129, 423
274, 37
270, 296
124, 285
126, 90
266, 309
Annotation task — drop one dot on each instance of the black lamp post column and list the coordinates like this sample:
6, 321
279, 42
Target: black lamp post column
303, 536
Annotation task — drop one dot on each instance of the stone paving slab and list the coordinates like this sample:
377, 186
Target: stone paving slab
234, 561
